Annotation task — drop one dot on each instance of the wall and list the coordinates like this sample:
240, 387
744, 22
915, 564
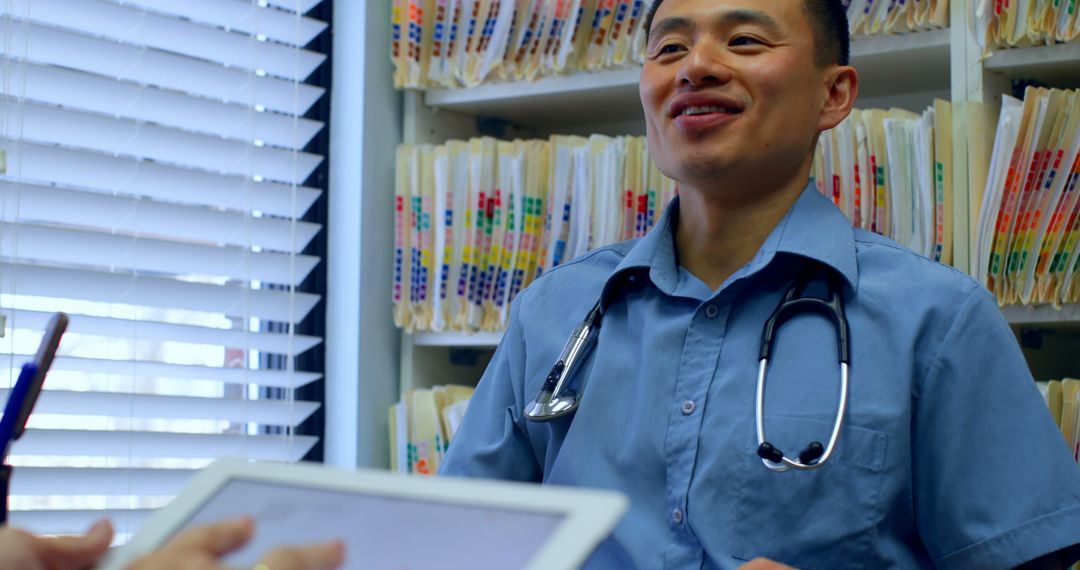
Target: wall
362, 344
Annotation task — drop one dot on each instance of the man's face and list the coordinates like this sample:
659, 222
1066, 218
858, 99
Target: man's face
729, 87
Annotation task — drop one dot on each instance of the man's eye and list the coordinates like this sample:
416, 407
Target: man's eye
745, 41
668, 48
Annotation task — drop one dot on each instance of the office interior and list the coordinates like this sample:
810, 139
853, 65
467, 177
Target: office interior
276, 300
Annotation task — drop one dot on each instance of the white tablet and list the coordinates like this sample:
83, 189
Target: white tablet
389, 521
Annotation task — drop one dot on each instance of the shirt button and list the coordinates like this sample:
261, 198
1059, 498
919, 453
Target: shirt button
688, 407
677, 516
712, 311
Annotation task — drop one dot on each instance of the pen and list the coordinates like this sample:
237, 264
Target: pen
19, 405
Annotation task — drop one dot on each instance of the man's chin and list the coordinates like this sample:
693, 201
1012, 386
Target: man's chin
705, 169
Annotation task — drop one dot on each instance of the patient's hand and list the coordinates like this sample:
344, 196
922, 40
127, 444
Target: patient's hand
763, 564
20, 550
202, 547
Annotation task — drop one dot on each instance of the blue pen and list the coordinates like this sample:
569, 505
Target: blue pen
23, 397
20, 403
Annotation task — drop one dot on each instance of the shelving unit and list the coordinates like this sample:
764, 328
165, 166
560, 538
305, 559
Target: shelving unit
457, 339
907, 71
910, 64
597, 97
1044, 315
1057, 65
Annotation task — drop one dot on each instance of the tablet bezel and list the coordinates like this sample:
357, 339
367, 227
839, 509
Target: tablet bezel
588, 516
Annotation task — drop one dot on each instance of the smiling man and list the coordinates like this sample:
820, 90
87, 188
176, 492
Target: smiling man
947, 456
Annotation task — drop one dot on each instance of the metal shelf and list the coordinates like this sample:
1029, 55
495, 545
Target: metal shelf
1041, 314
601, 96
1057, 65
457, 339
907, 63
1015, 314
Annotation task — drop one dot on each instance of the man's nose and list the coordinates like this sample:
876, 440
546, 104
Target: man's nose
707, 63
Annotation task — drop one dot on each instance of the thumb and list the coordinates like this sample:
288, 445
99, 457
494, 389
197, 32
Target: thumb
75, 552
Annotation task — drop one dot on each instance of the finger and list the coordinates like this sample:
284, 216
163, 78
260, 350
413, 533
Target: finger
77, 551
19, 549
324, 556
763, 564
215, 539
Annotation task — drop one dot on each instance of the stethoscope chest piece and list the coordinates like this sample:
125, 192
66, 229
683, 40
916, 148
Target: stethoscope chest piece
551, 408
555, 400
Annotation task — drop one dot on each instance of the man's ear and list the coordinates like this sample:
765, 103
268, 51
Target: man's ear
842, 84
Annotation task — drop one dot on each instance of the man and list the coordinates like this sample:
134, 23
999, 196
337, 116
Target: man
948, 457
199, 547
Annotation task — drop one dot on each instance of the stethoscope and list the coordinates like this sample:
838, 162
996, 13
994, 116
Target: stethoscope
555, 399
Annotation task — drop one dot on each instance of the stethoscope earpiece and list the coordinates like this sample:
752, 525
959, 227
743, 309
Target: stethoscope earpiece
812, 453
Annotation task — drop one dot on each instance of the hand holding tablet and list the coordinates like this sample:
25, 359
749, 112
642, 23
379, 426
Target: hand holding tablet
386, 521
205, 546
199, 547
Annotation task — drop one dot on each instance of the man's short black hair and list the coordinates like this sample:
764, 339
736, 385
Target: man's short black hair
828, 18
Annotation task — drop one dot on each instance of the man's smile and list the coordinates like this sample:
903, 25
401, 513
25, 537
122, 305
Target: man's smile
694, 112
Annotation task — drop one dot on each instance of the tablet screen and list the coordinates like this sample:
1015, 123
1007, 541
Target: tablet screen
379, 532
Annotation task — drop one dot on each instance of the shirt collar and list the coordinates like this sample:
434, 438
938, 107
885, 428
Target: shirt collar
813, 228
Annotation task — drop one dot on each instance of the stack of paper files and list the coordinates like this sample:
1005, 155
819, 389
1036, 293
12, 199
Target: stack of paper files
871, 17
1063, 397
455, 43
1019, 23
477, 221
890, 172
1026, 237
422, 425
463, 43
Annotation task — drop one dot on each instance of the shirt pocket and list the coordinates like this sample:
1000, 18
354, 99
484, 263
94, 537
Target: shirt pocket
821, 519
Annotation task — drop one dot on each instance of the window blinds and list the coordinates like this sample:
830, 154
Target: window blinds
153, 184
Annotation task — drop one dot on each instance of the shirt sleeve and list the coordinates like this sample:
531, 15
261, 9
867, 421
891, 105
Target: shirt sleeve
994, 483
492, 442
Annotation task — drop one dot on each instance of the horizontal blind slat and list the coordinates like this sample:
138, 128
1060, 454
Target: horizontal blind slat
143, 369
159, 445
121, 405
151, 67
151, 331
50, 245
100, 481
241, 15
266, 304
27, 162
88, 92
129, 25
51, 205
298, 6
53, 125
78, 522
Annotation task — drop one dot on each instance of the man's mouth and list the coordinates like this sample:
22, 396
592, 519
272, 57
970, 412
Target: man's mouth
706, 110
697, 107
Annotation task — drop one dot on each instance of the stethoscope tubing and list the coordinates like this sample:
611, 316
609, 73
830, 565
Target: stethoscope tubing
555, 400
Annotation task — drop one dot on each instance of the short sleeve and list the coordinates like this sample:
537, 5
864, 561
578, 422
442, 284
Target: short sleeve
491, 442
994, 483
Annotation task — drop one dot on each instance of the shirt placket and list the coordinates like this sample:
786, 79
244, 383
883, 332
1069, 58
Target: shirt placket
701, 352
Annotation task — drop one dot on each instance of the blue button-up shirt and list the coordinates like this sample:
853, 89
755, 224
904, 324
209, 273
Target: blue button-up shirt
948, 456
